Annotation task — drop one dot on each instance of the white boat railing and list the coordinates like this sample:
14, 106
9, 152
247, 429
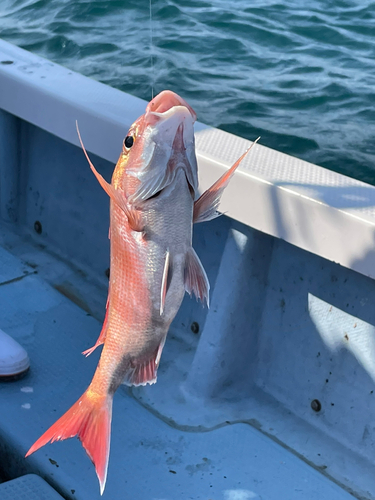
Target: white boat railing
318, 210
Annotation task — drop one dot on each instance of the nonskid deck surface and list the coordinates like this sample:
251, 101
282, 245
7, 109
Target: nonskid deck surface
29, 487
150, 460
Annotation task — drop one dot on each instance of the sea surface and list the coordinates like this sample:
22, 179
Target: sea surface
301, 74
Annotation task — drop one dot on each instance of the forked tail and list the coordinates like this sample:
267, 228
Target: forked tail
89, 419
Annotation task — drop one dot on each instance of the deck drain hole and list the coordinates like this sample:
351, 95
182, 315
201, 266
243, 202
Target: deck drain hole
38, 227
194, 327
316, 405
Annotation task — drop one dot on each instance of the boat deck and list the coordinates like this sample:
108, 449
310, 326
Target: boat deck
30, 487
152, 458
235, 413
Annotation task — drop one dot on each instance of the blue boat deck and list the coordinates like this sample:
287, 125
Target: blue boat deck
235, 413
30, 487
152, 457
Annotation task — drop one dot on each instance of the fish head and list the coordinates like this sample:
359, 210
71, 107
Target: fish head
159, 143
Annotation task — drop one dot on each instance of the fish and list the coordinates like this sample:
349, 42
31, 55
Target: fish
154, 203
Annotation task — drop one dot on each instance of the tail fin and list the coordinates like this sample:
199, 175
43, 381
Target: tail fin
89, 419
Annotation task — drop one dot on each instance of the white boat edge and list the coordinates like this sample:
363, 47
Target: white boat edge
313, 208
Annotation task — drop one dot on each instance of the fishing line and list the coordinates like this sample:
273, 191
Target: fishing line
151, 53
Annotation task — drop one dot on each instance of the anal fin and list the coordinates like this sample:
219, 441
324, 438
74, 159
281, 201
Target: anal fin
196, 280
145, 371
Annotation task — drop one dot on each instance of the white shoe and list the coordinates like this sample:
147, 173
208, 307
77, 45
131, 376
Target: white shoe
14, 360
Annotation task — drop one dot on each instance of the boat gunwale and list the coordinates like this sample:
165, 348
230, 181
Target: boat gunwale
313, 208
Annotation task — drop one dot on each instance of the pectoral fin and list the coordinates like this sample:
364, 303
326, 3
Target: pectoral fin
134, 218
205, 208
196, 280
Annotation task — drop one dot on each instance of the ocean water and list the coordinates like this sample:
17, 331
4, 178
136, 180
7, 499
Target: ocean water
301, 74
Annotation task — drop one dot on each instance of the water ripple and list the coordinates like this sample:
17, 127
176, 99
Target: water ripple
300, 75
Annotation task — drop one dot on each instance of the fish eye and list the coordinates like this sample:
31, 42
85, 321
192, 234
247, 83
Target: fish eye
129, 141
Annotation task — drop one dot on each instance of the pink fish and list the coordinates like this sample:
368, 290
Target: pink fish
152, 211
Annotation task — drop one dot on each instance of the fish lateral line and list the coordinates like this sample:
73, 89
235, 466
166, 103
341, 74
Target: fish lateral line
133, 216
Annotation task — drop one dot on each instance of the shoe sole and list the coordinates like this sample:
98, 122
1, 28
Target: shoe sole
14, 376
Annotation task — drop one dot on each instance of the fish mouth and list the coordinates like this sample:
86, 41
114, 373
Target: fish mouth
172, 116
168, 145
167, 100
